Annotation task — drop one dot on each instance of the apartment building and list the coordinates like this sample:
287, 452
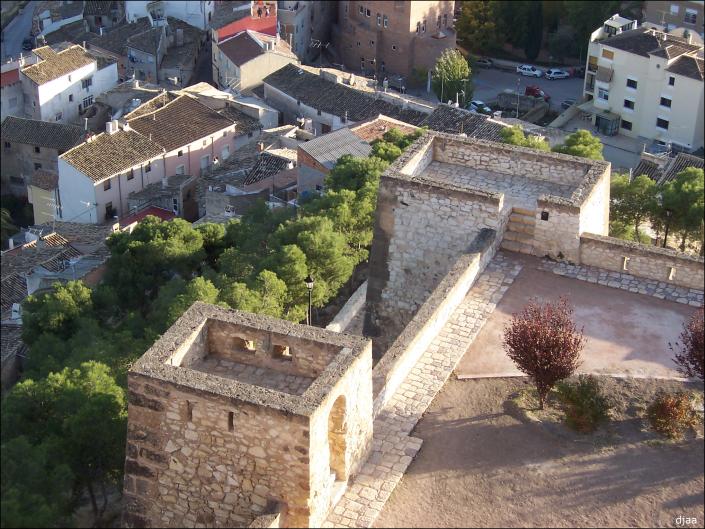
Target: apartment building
169, 135
12, 102
393, 37
645, 83
59, 86
248, 57
686, 14
305, 25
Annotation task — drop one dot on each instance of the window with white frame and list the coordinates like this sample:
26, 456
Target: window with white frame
665, 102
87, 101
662, 123
180, 169
674, 9
86, 83
603, 93
385, 21
631, 83
58, 116
691, 16
379, 19
629, 104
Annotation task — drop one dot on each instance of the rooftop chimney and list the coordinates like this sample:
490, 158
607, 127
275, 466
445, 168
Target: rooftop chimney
85, 123
180, 37
260, 146
165, 182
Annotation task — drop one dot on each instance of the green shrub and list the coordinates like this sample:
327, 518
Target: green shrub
584, 403
671, 414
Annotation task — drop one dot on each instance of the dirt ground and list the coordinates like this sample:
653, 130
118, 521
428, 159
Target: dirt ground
479, 466
627, 333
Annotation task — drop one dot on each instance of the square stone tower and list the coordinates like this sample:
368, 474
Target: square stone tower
234, 416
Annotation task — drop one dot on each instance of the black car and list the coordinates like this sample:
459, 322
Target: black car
28, 43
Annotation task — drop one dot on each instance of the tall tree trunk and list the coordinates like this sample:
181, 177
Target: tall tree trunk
93, 501
105, 498
685, 236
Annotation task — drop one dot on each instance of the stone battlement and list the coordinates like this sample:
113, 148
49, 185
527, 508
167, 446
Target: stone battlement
230, 413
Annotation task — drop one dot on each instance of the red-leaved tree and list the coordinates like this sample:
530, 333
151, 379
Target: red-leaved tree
689, 355
544, 343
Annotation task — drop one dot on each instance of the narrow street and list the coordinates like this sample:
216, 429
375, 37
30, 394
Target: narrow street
15, 32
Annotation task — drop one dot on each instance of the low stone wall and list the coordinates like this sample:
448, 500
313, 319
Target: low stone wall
650, 262
352, 308
565, 117
402, 356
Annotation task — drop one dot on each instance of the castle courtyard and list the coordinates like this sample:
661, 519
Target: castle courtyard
479, 466
627, 332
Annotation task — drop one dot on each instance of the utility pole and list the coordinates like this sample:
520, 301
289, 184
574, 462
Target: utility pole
518, 83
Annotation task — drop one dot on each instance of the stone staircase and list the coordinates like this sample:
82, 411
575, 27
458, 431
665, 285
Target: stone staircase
519, 236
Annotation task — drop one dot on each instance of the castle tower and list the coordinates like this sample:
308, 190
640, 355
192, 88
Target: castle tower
236, 418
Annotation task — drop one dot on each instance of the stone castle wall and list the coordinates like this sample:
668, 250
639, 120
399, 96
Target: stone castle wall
512, 160
219, 451
419, 233
643, 261
413, 341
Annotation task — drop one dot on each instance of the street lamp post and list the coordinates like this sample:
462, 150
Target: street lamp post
309, 284
669, 214
518, 83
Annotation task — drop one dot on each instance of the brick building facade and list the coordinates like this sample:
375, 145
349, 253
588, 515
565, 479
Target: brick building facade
393, 37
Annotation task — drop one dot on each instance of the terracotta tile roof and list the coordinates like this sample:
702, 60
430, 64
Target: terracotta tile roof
147, 41
108, 154
75, 32
688, 66
9, 77
446, 118
648, 168
62, 63
244, 123
45, 179
267, 166
14, 290
337, 99
161, 213
244, 47
226, 13
153, 104
180, 122
645, 41
375, 128
679, 163
115, 40
11, 343
103, 7
41, 133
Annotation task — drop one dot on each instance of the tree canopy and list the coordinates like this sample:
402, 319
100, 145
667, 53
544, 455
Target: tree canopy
581, 143
515, 136
451, 76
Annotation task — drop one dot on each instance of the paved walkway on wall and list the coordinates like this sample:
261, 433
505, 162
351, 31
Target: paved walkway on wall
393, 448
627, 332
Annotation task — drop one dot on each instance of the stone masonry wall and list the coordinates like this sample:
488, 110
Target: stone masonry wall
595, 210
508, 159
200, 459
413, 341
419, 233
559, 236
644, 261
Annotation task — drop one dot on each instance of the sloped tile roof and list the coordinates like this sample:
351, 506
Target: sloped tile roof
147, 41
326, 149
375, 128
14, 290
648, 168
337, 99
11, 343
41, 133
103, 7
108, 154
688, 66
180, 122
244, 123
267, 166
644, 42
45, 179
115, 40
679, 163
59, 64
446, 118
75, 32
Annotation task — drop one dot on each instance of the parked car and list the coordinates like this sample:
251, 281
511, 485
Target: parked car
27, 44
397, 82
530, 71
479, 106
567, 103
557, 73
533, 90
484, 63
